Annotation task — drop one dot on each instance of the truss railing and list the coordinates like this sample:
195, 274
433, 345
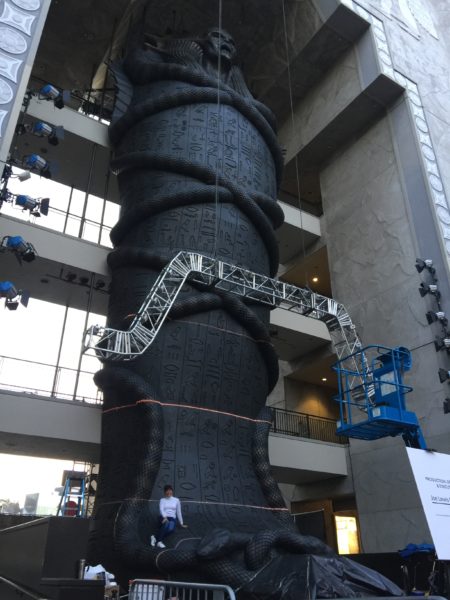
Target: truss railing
114, 344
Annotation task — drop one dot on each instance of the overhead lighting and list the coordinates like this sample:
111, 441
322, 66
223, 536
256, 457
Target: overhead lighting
53, 134
34, 161
425, 264
442, 343
42, 129
12, 295
324, 379
443, 375
425, 289
315, 279
36, 206
7, 173
23, 176
50, 92
432, 317
24, 251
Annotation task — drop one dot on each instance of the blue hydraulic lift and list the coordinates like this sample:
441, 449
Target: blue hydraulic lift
372, 396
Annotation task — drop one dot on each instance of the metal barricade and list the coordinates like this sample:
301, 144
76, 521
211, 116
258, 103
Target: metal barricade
154, 589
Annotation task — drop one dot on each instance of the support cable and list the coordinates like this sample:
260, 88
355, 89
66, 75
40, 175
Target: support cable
216, 192
291, 106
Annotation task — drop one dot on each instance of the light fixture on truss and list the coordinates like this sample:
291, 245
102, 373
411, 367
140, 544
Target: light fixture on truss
13, 297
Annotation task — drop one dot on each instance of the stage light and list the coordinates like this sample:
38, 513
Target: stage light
446, 405
49, 92
443, 375
71, 277
21, 129
425, 289
442, 343
432, 317
100, 285
7, 290
36, 206
12, 295
84, 280
24, 251
425, 264
34, 161
53, 134
23, 176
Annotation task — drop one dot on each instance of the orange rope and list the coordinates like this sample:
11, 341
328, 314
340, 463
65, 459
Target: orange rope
187, 406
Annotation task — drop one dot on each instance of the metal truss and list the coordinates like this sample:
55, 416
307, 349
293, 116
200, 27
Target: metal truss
114, 344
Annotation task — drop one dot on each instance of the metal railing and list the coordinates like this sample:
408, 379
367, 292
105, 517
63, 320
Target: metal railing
67, 223
154, 589
60, 382
44, 379
296, 424
22, 591
78, 226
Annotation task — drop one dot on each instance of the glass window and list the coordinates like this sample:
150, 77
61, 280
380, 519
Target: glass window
54, 220
40, 187
77, 203
94, 209
105, 240
112, 211
32, 333
347, 534
73, 337
91, 231
34, 491
73, 226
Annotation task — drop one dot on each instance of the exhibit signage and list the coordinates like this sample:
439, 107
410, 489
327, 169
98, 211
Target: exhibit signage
432, 474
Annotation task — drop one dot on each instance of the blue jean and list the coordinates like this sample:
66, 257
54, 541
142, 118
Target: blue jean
166, 528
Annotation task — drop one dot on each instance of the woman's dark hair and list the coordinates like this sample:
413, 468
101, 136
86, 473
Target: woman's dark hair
168, 487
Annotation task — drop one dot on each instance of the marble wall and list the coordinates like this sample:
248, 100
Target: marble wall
372, 244
385, 193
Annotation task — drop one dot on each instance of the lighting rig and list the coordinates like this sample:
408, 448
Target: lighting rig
35, 162
50, 93
13, 297
22, 250
43, 130
441, 342
36, 206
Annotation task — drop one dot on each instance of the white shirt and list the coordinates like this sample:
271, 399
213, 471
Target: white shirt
170, 507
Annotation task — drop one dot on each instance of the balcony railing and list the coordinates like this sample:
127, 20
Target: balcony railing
297, 424
42, 379
66, 383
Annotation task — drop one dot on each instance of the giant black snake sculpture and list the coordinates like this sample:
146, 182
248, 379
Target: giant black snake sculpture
198, 168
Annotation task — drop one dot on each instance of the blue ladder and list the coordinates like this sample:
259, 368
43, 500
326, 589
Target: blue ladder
74, 493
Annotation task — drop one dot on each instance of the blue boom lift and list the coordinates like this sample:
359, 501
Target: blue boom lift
372, 396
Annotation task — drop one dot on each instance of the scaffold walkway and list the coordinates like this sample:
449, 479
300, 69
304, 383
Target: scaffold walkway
114, 344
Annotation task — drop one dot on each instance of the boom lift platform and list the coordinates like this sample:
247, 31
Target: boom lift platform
372, 396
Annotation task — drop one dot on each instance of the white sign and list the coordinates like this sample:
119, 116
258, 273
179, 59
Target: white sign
432, 474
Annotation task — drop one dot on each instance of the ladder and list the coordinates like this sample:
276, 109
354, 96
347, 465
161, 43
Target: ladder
91, 471
72, 502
